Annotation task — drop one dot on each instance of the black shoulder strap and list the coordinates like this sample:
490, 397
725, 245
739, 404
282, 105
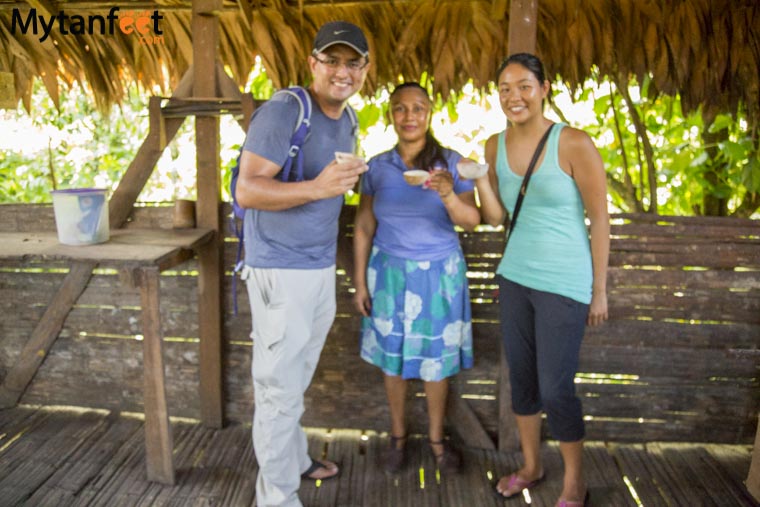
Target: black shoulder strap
526, 179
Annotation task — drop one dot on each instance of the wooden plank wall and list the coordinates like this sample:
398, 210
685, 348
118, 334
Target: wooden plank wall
677, 361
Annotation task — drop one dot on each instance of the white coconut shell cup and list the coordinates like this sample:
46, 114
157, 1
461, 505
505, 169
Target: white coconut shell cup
471, 170
416, 177
342, 156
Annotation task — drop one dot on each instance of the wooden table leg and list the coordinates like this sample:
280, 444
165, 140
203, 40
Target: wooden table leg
158, 431
210, 274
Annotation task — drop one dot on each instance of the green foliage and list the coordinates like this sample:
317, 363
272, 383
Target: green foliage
368, 115
682, 157
227, 166
259, 85
76, 146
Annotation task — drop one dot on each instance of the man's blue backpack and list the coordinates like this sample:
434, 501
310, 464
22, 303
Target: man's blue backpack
300, 134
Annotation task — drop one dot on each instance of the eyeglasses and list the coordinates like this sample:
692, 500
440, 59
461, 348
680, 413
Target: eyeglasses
333, 63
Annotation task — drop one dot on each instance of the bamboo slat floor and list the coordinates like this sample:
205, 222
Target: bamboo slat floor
59, 456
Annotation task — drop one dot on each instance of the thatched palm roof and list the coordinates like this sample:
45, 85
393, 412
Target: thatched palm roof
708, 50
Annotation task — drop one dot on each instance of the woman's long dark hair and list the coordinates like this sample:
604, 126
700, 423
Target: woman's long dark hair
432, 154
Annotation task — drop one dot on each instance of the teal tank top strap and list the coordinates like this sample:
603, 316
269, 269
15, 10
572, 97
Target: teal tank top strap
501, 154
551, 159
552, 146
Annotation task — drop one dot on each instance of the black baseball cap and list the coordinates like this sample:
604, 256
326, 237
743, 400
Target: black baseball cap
341, 32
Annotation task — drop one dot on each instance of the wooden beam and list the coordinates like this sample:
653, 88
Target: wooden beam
45, 333
140, 169
158, 431
210, 106
137, 174
157, 125
249, 105
205, 30
753, 477
466, 423
227, 87
523, 15
185, 86
184, 5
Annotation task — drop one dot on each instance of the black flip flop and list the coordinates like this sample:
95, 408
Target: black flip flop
316, 465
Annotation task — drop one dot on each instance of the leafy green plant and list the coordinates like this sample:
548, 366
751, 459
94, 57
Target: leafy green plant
668, 162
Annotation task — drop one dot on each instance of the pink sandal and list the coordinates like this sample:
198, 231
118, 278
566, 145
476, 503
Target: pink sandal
515, 481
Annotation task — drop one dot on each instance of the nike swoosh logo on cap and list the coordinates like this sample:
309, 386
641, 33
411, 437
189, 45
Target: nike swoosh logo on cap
338, 32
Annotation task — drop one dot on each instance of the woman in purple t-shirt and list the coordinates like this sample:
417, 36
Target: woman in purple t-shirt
410, 273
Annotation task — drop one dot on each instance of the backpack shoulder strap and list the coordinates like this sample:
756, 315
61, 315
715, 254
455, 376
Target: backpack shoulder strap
301, 132
305, 99
354, 124
354, 120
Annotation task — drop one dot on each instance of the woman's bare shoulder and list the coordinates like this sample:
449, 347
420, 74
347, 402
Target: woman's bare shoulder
574, 139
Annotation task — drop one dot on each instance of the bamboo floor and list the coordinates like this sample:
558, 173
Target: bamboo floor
59, 456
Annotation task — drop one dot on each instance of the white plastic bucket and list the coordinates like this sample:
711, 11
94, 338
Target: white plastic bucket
81, 216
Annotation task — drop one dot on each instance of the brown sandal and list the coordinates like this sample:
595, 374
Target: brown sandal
394, 456
448, 460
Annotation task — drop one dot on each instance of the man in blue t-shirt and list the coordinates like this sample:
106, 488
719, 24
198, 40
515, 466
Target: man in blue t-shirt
291, 233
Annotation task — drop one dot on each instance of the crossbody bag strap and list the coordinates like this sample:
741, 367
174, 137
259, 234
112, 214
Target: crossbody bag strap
526, 179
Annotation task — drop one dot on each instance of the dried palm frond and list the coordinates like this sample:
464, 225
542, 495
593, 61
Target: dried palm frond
708, 51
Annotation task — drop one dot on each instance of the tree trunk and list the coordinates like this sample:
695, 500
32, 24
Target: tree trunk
641, 132
715, 168
628, 189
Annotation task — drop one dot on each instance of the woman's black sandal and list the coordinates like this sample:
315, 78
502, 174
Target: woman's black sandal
449, 460
393, 459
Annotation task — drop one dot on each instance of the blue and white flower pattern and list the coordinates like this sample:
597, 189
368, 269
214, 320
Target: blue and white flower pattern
421, 324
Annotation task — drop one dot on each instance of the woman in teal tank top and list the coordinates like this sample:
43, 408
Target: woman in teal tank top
552, 279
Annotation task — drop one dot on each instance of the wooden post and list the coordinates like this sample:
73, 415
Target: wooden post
523, 16
466, 423
45, 333
157, 126
248, 105
205, 29
158, 430
753, 477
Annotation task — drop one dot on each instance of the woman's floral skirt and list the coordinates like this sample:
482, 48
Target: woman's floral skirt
421, 323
